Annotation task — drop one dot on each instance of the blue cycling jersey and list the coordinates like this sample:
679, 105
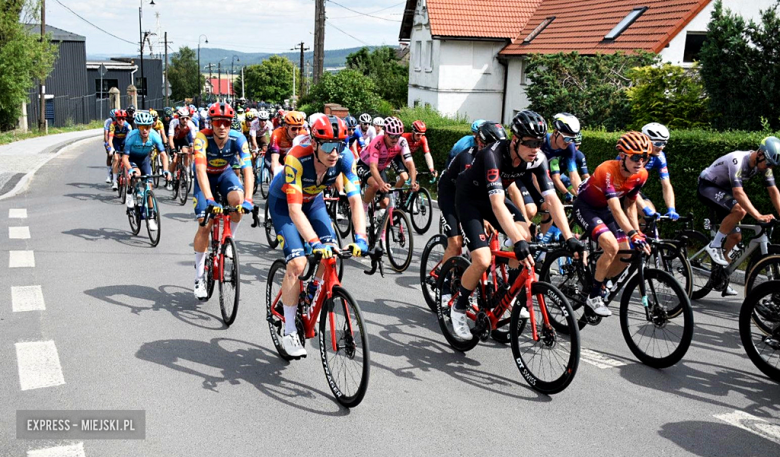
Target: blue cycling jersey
137, 149
356, 137
563, 163
658, 163
569, 152
464, 143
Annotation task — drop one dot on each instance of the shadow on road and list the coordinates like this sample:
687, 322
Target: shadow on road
104, 198
709, 439
121, 236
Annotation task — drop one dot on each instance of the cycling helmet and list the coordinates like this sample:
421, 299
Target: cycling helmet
394, 126
153, 112
235, 124
120, 114
280, 113
130, 109
365, 118
578, 139
770, 146
490, 132
143, 118
293, 118
221, 110
192, 107
419, 127
379, 122
328, 128
240, 110
351, 122
631, 143
183, 112
527, 123
656, 131
250, 115
168, 111
566, 123
262, 115
112, 114
192, 110
475, 125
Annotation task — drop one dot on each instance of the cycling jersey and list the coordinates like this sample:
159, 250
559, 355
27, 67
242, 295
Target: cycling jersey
732, 169
464, 143
447, 190
258, 129
415, 145
107, 124
608, 182
177, 131
380, 154
279, 143
658, 163
369, 134
569, 152
563, 162
137, 149
356, 137
119, 131
245, 127
218, 160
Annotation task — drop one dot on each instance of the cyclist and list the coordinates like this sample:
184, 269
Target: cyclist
167, 117
416, 139
297, 208
466, 142
720, 189
117, 132
260, 131
106, 144
379, 126
216, 150
278, 120
562, 143
195, 116
181, 133
480, 197
136, 153
247, 123
131, 115
561, 181
354, 141
158, 127
366, 129
282, 140
599, 212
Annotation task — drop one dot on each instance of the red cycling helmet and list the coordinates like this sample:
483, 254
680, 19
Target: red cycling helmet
222, 110
120, 114
419, 127
328, 128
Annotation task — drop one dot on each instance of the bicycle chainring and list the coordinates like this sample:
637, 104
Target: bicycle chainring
482, 326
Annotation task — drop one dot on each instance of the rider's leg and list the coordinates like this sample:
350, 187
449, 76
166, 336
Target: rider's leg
727, 227
609, 244
291, 291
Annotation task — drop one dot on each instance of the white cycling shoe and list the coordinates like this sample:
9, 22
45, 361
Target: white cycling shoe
153, 225
292, 346
716, 254
459, 325
596, 304
201, 291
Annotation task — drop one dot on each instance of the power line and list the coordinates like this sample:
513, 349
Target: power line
362, 14
93, 25
347, 34
373, 12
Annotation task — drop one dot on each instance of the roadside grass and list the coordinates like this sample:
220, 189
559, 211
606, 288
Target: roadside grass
11, 136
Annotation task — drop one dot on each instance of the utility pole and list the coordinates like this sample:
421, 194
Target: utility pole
219, 80
243, 94
302, 48
141, 42
42, 126
165, 73
211, 66
319, 39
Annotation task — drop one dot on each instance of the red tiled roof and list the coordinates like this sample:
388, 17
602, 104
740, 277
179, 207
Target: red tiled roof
581, 26
225, 86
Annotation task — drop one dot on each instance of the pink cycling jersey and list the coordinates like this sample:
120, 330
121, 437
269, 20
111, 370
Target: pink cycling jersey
378, 153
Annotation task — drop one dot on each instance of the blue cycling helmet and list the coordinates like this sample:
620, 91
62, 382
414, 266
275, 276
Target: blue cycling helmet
770, 146
112, 114
351, 122
143, 118
475, 125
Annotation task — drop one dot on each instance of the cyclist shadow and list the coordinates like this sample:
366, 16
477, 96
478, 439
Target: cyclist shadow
91, 185
236, 361
104, 198
176, 300
109, 234
719, 438
178, 217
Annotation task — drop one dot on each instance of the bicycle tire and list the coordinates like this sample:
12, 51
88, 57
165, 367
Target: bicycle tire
765, 270
156, 166
343, 211
674, 262
559, 271
209, 270
185, 183
265, 180
270, 232
398, 233
427, 279
453, 270
350, 348
256, 173
272, 290
562, 349
762, 308
422, 211
230, 282
701, 264
122, 188
663, 325
152, 213
134, 217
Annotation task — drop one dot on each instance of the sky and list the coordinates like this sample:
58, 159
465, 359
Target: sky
240, 25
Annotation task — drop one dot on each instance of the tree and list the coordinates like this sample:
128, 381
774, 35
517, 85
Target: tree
183, 74
591, 87
349, 88
271, 81
24, 58
667, 94
389, 74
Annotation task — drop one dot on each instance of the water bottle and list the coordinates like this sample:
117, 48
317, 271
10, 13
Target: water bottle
312, 291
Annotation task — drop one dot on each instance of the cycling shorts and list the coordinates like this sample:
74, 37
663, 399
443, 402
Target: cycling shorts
287, 234
471, 214
449, 215
144, 164
182, 143
221, 185
531, 194
118, 144
718, 199
597, 221
363, 172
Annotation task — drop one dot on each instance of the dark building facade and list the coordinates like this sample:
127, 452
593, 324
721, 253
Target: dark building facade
122, 72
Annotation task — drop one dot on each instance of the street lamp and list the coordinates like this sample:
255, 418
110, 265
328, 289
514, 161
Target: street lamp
200, 86
141, 39
219, 80
232, 89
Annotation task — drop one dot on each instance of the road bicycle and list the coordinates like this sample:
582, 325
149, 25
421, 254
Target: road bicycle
669, 255
759, 327
430, 268
417, 204
343, 338
121, 181
182, 178
339, 210
145, 207
262, 173
656, 317
222, 263
392, 228
546, 357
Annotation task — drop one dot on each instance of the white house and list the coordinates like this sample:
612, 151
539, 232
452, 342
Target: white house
459, 66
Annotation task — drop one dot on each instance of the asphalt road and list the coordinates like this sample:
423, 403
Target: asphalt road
129, 335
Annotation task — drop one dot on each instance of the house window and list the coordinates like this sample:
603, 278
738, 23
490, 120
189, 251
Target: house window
693, 43
416, 103
140, 86
429, 54
539, 28
621, 27
523, 72
102, 91
417, 55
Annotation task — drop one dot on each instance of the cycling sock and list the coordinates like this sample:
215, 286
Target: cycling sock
463, 299
108, 169
718, 240
289, 319
234, 227
200, 264
596, 290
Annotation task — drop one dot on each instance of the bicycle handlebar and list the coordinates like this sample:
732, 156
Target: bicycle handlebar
226, 210
314, 260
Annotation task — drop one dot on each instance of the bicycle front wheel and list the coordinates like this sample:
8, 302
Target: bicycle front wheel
700, 262
673, 261
447, 292
343, 340
759, 327
549, 361
185, 183
265, 180
654, 336
422, 211
230, 282
156, 167
399, 241
152, 215
343, 217
134, 217
270, 232
430, 267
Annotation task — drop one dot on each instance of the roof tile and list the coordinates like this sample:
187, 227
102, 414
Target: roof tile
480, 18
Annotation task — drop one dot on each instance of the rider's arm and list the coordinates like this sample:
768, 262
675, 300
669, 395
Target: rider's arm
171, 132
621, 218
407, 155
744, 201
668, 191
555, 175
574, 175
774, 195
246, 166
504, 217
427, 155
200, 166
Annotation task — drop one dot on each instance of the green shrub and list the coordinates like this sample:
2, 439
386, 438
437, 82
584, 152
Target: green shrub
430, 116
668, 94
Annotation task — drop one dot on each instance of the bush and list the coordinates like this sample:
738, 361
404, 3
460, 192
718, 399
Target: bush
430, 116
348, 88
667, 94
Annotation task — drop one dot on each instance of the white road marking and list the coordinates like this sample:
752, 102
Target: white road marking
19, 233
17, 213
27, 298
39, 365
599, 360
21, 259
71, 450
752, 424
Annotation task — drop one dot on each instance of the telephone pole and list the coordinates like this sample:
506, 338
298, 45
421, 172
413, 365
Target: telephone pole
302, 78
42, 88
165, 73
319, 39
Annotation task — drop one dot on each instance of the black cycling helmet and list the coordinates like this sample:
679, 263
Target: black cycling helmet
527, 123
490, 132
770, 146
130, 109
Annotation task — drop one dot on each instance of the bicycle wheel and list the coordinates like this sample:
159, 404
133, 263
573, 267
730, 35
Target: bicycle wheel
399, 241
430, 266
422, 211
273, 300
270, 232
256, 172
549, 362
561, 271
654, 336
265, 180
673, 261
209, 269
759, 327
185, 183
343, 217
701, 263
122, 187
230, 282
156, 167
766, 269
344, 350
446, 295
134, 217
152, 214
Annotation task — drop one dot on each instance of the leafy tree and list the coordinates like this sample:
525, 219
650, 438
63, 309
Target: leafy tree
272, 80
349, 88
182, 74
590, 87
667, 94
24, 58
390, 76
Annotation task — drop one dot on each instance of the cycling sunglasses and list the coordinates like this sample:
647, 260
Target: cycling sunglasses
365, 123
638, 157
221, 123
659, 144
329, 147
533, 144
145, 128
296, 129
569, 139
393, 137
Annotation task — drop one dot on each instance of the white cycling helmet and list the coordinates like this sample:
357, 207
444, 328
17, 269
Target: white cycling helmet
262, 115
365, 118
379, 122
183, 112
656, 131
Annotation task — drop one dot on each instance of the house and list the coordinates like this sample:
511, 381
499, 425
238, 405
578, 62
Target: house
673, 29
219, 87
121, 73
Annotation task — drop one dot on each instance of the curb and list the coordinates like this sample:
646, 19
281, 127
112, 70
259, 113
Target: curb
53, 151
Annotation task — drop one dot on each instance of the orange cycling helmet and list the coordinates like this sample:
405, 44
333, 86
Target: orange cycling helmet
328, 128
222, 110
419, 127
632, 143
294, 119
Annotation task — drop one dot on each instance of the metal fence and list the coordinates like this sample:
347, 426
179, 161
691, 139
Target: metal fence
64, 110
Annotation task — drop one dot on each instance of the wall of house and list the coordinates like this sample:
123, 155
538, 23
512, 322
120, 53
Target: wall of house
516, 98
423, 76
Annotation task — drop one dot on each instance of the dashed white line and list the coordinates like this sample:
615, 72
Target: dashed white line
19, 233
599, 360
27, 298
17, 213
39, 365
752, 424
21, 259
72, 450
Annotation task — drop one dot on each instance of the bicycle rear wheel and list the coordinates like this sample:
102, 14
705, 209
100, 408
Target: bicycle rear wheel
656, 338
399, 241
273, 301
673, 261
759, 327
209, 269
430, 267
447, 291
230, 282
422, 211
185, 182
122, 186
270, 232
134, 217
265, 180
550, 362
343, 217
152, 214
343, 340
561, 271
701, 263
156, 167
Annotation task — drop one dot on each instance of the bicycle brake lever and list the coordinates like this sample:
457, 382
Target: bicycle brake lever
255, 217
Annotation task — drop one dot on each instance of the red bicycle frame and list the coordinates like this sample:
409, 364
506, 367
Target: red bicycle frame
220, 230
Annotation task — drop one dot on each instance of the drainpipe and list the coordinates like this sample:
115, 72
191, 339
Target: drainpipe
505, 64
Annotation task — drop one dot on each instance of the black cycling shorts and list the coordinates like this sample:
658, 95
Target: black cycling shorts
182, 143
449, 215
718, 199
471, 214
363, 172
597, 221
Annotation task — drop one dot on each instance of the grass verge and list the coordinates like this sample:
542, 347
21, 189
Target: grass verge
11, 136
